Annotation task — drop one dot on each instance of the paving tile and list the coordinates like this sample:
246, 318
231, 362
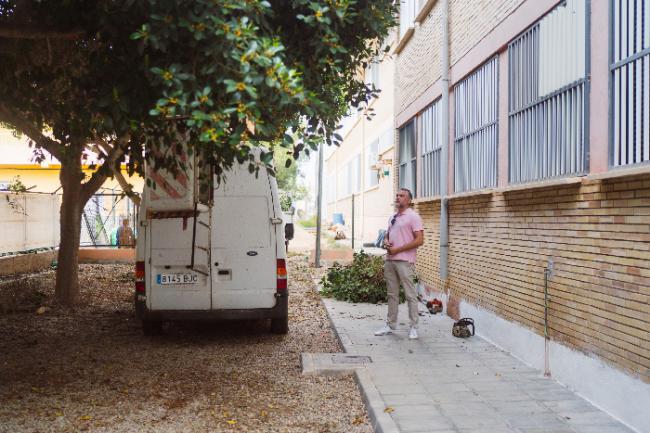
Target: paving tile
440, 384
419, 424
408, 399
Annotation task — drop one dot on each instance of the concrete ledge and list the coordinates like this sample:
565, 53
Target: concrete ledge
25, 263
331, 364
341, 255
106, 255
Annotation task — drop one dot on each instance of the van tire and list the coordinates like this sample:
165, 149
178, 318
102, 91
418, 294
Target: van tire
152, 327
280, 325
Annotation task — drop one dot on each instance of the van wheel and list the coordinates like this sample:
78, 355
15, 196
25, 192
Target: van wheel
152, 327
280, 325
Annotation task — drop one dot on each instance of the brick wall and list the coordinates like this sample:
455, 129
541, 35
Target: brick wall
418, 65
428, 258
468, 22
598, 235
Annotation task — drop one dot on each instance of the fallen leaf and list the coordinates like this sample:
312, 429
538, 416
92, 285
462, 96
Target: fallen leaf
231, 421
358, 420
85, 418
389, 410
41, 310
264, 413
58, 414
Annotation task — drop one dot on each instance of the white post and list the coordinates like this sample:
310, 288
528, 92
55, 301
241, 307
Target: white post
319, 205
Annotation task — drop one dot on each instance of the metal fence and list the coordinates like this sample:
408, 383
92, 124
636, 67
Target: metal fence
103, 215
547, 96
429, 129
630, 68
476, 135
407, 157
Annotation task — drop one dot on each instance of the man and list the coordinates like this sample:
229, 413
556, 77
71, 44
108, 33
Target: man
125, 237
404, 235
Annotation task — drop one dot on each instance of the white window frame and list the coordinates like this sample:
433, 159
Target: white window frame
372, 159
408, 10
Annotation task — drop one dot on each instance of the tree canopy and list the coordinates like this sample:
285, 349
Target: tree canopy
133, 79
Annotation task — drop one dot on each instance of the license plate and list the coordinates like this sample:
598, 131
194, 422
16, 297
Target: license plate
178, 278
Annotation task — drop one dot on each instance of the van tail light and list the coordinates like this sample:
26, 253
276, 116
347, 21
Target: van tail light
139, 277
282, 276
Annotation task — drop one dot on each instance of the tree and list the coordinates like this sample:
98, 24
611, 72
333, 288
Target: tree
140, 80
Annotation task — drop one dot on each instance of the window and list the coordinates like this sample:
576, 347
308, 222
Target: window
407, 157
343, 188
630, 76
547, 75
476, 138
350, 177
407, 13
372, 73
429, 129
386, 140
329, 188
372, 158
354, 176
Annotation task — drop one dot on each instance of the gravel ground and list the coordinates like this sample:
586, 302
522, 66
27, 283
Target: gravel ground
91, 369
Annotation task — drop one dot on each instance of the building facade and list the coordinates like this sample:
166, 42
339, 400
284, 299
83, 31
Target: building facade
359, 173
528, 147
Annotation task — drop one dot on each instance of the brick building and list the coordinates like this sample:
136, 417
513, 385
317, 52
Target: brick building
527, 122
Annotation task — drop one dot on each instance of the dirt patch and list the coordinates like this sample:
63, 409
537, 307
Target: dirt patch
90, 368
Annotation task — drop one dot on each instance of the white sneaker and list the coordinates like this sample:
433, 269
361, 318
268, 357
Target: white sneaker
384, 331
413, 334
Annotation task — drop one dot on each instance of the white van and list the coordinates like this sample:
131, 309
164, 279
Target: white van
223, 260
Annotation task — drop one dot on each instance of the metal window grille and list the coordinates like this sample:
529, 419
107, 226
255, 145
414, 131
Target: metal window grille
429, 129
407, 157
630, 77
547, 99
476, 135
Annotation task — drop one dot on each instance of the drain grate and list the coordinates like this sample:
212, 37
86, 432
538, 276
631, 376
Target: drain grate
350, 359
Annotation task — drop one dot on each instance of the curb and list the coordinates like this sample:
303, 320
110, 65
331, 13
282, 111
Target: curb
381, 421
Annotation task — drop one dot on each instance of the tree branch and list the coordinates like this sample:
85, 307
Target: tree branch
32, 131
99, 177
9, 33
117, 172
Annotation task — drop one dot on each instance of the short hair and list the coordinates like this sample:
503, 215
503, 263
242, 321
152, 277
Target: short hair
408, 191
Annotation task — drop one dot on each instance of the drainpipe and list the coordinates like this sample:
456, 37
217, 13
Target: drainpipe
444, 166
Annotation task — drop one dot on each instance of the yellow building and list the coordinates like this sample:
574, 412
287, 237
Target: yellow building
103, 213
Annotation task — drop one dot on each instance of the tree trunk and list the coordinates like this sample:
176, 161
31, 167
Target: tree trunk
72, 204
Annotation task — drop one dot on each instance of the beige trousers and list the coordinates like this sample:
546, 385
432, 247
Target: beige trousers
398, 272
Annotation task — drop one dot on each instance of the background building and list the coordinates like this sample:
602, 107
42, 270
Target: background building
360, 170
35, 226
547, 168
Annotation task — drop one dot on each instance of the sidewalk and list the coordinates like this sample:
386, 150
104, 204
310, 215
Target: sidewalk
442, 384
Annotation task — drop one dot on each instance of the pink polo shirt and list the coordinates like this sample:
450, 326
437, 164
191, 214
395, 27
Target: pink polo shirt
402, 232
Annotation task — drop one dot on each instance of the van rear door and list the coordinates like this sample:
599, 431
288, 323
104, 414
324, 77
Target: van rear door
173, 284
243, 243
